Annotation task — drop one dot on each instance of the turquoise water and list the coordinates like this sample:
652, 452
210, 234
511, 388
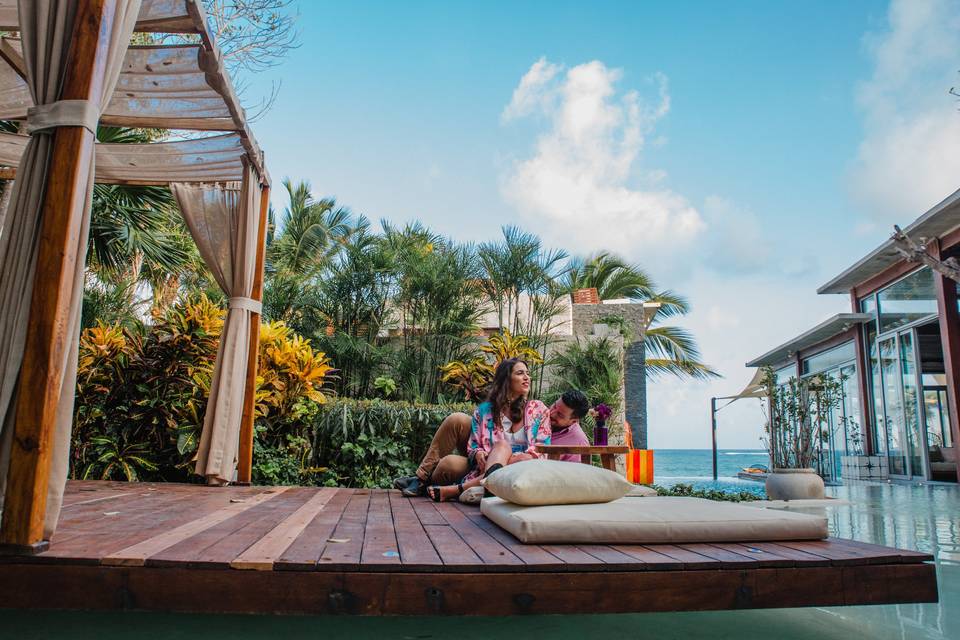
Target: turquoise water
672, 463
922, 517
695, 467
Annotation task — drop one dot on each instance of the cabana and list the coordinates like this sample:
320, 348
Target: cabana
71, 68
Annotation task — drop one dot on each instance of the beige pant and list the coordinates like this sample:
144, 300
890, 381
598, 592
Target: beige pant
439, 465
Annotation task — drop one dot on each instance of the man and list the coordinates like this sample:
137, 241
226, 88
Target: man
441, 467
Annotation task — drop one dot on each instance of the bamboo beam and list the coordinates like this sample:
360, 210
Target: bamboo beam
245, 452
48, 334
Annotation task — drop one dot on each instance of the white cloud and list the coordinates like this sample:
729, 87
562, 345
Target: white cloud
529, 94
909, 158
581, 180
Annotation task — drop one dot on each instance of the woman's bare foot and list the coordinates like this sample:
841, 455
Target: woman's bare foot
446, 493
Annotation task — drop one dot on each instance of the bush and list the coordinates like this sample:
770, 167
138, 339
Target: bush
687, 491
142, 395
367, 443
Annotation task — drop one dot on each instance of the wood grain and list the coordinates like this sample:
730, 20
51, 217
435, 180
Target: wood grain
48, 333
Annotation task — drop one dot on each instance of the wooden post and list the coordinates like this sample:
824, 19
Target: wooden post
863, 365
245, 452
949, 318
48, 334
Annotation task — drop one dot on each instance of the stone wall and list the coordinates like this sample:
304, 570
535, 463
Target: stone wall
585, 316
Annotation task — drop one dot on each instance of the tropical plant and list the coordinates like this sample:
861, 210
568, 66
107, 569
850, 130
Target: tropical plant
797, 431
473, 377
308, 234
141, 398
595, 367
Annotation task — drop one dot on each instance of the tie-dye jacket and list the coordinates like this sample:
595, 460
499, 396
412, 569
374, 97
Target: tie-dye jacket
484, 431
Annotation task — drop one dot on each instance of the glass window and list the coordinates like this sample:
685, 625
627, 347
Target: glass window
782, 375
829, 359
910, 299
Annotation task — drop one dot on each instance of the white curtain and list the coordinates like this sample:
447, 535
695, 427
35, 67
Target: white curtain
46, 31
223, 220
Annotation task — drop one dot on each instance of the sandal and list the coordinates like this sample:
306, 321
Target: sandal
434, 492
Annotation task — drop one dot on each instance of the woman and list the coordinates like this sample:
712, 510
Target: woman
505, 429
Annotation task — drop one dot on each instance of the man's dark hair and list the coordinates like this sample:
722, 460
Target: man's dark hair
576, 401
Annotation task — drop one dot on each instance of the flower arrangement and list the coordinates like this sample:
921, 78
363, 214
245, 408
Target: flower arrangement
601, 413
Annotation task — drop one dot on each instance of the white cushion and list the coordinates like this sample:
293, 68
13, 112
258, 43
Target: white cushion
537, 482
659, 520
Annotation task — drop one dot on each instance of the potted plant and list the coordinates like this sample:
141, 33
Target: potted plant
796, 430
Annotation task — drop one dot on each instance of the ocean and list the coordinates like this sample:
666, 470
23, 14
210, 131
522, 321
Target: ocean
695, 466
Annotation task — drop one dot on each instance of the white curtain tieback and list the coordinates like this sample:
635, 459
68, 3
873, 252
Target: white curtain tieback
63, 113
240, 302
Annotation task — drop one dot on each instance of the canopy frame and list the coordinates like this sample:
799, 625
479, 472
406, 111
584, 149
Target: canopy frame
62, 207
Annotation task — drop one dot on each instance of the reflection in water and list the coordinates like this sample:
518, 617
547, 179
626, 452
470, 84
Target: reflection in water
925, 518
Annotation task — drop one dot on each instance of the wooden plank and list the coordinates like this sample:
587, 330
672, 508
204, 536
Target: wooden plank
304, 552
557, 449
480, 542
48, 332
652, 559
225, 550
451, 548
570, 555
342, 551
612, 559
137, 554
366, 593
729, 558
380, 550
534, 556
842, 554
763, 557
245, 452
104, 531
416, 550
191, 549
262, 554
690, 559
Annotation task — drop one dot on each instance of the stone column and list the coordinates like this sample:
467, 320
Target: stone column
635, 390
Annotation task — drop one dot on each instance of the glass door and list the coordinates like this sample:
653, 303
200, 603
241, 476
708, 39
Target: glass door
893, 406
913, 430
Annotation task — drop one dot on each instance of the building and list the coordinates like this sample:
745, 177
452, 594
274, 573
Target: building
897, 353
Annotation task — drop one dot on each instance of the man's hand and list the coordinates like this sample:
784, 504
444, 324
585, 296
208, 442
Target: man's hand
480, 457
519, 457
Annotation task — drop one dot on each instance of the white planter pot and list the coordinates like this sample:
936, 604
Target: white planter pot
794, 484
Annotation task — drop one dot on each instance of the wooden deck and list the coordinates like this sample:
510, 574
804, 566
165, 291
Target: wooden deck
307, 550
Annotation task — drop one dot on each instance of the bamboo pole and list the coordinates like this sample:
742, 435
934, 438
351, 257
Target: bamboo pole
48, 333
245, 453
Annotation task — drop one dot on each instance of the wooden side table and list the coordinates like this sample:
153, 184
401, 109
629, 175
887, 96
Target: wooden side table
607, 454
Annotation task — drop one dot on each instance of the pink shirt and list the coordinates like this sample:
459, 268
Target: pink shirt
572, 436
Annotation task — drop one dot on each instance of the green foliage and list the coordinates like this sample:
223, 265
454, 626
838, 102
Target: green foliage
354, 443
798, 431
687, 491
593, 366
142, 394
386, 386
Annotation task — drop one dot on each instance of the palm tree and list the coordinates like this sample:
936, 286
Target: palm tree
670, 350
309, 233
136, 233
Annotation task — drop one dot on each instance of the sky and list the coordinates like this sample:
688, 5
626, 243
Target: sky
742, 153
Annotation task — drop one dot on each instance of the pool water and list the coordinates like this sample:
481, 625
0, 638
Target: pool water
924, 517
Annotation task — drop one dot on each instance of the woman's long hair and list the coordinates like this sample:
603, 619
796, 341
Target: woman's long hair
499, 396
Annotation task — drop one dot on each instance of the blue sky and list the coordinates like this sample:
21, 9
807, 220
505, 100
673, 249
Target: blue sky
741, 152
